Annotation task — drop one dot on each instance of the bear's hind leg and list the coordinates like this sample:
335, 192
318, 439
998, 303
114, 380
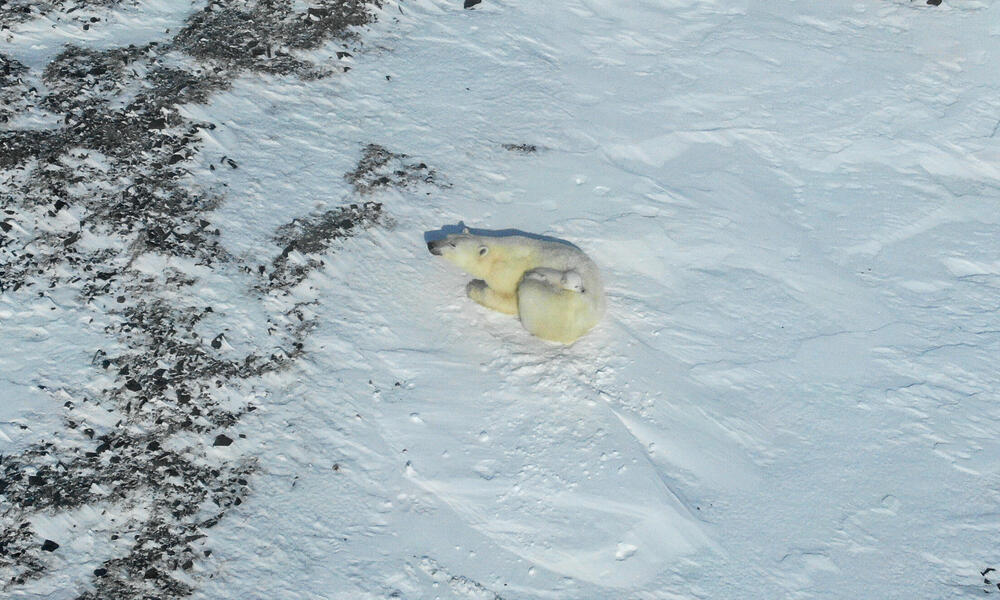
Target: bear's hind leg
490, 298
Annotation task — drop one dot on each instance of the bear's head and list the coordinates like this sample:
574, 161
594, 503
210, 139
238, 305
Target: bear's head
464, 250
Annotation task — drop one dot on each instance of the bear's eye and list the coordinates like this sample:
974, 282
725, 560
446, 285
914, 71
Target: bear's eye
483, 250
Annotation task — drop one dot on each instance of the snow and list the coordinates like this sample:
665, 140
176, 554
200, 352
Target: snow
794, 391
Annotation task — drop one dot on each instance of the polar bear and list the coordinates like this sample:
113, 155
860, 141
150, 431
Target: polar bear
553, 287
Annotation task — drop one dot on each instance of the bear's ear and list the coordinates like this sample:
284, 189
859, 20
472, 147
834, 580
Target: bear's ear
483, 250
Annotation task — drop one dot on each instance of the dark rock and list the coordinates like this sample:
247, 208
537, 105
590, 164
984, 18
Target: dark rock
471, 3
525, 148
934, 2
222, 440
122, 102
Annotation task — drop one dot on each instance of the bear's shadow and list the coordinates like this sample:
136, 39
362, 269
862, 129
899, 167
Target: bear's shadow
445, 231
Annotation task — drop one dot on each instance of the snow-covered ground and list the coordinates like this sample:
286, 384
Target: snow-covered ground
794, 394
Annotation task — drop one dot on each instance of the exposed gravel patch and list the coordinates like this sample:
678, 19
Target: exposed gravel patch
380, 168
112, 170
313, 235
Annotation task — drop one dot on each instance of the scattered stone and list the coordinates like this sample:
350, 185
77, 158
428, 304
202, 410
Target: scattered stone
120, 107
379, 168
222, 440
314, 234
524, 148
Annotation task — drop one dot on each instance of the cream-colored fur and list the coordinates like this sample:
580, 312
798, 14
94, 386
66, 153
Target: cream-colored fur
554, 288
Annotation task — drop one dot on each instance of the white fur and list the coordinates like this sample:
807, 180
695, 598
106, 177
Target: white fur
553, 287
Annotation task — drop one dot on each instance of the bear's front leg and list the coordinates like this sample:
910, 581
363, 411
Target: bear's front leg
490, 298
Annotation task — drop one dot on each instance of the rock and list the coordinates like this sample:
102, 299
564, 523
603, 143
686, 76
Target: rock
49, 546
222, 440
471, 3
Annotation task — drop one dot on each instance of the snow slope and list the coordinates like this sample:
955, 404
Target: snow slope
794, 392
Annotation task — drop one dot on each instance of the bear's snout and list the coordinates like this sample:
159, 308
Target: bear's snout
433, 248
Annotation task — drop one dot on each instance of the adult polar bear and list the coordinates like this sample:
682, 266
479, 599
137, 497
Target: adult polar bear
552, 286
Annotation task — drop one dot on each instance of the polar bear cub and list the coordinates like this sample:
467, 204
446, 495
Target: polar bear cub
567, 280
553, 287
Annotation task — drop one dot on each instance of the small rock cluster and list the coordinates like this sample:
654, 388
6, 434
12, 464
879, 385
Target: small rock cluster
80, 203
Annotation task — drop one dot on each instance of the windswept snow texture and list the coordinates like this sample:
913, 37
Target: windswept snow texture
230, 368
